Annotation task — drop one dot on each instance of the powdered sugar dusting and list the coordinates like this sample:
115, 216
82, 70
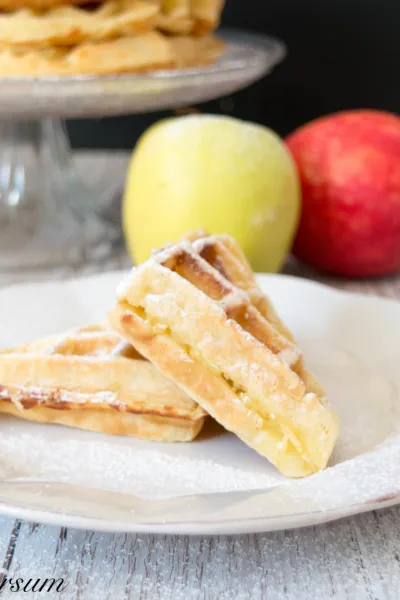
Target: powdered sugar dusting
18, 394
140, 468
290, 355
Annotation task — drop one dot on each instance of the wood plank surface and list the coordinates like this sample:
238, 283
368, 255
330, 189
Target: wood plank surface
356, 558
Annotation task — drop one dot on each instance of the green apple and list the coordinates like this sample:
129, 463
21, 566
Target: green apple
216, 173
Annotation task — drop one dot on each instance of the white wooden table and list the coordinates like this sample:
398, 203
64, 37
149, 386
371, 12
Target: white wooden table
356, 558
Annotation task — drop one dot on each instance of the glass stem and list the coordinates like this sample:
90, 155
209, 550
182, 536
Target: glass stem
47, 216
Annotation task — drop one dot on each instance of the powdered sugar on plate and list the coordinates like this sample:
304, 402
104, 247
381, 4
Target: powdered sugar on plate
148, 470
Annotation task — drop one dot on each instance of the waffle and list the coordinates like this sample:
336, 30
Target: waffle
38, 5
195, 52
142, 53
198, 17
178, 17
71, 25
225, 254
205, 334
92, 379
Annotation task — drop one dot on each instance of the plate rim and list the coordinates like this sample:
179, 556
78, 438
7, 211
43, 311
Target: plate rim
202, 527
271, 45
132, 93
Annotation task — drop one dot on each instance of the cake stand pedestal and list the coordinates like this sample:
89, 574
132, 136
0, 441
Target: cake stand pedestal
48, 217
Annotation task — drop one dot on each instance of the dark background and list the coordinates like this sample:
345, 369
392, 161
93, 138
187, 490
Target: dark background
342, 54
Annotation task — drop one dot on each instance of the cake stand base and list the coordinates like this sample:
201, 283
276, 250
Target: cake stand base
47, 216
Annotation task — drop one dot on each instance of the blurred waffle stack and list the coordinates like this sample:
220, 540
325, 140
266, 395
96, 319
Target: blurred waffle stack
65, 37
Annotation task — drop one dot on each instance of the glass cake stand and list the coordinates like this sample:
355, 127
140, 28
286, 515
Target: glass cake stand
48, 217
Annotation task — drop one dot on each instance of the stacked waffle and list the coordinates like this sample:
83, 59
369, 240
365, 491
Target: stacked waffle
90, 378
196, 336
69, 37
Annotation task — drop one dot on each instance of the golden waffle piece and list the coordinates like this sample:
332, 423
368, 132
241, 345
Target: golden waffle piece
177, 17
198, 17
224, 253
71, 25
92, 379
206, 335
39, 5
146, 52
195, 52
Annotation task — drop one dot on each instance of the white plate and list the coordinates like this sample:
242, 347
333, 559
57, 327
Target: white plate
216, 484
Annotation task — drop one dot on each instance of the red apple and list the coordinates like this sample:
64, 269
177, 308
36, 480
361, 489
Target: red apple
349, 165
